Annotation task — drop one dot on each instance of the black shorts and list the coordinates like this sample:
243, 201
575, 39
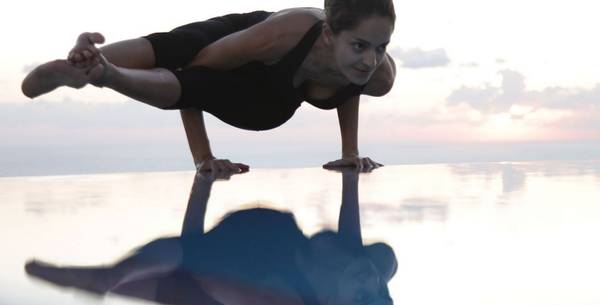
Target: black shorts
175, 49
246, 97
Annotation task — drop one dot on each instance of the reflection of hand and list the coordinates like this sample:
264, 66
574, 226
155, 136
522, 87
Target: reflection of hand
218, 165
212, 176
355, 162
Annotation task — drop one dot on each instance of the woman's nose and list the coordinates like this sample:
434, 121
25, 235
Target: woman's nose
370, 59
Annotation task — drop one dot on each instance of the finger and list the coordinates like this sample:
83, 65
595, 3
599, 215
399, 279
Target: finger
231, 167
227, 166
370, 163
243, 167
224, 166
375, 164
87, 54
96, 38
367, 168
332, 164
337, 169
95, 51
358, 164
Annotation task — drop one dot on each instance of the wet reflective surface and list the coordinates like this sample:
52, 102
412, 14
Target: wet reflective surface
491, 233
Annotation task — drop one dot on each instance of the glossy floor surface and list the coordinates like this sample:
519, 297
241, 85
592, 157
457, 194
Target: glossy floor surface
490, 233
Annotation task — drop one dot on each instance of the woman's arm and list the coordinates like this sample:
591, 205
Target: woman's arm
195, 213
349, 219
348, 120
267, 41
193, 122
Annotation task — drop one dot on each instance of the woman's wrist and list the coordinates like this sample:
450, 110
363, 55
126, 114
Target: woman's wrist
203, 158
351, 154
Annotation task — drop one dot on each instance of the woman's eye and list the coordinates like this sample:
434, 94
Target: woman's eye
381, 49
358, 46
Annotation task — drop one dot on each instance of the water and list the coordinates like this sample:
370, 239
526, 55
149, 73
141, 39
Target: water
488, 233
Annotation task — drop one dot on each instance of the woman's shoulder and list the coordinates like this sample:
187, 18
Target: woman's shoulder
298, 17
289, 26
383, 79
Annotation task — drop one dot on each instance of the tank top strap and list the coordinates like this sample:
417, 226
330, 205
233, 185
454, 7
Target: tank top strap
297, 55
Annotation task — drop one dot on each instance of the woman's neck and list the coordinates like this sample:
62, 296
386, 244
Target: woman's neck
320, 66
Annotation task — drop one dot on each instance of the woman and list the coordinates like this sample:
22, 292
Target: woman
253, 256
250, 70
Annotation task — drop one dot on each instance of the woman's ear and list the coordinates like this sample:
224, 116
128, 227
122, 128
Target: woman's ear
327, 34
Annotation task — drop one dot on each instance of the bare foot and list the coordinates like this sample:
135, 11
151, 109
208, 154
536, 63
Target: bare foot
95, 280
57, 73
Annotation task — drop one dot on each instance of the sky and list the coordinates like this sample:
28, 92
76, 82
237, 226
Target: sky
471, 75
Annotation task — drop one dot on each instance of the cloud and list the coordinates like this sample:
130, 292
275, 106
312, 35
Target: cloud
418, 59
500, 61
513, 93
478, 98
549, 113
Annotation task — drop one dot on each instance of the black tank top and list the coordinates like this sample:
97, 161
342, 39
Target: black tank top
256, 96
294, 59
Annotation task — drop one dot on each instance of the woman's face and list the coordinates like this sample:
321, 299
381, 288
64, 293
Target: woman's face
359, 51
360, 284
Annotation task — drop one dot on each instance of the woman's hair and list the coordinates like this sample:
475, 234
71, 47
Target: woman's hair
335, 250
346, 14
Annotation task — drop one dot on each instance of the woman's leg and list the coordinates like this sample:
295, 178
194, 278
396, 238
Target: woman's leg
82, 67
157, 258
129, 67
134, 53
157, 87
134, 78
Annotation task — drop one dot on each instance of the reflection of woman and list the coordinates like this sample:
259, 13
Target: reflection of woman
256, 256
250, 70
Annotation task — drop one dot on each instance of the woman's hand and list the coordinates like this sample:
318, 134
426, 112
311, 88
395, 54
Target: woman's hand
218, 165
85, 54
357, 162
209, 177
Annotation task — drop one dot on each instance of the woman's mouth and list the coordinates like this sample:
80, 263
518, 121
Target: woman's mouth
361, 71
